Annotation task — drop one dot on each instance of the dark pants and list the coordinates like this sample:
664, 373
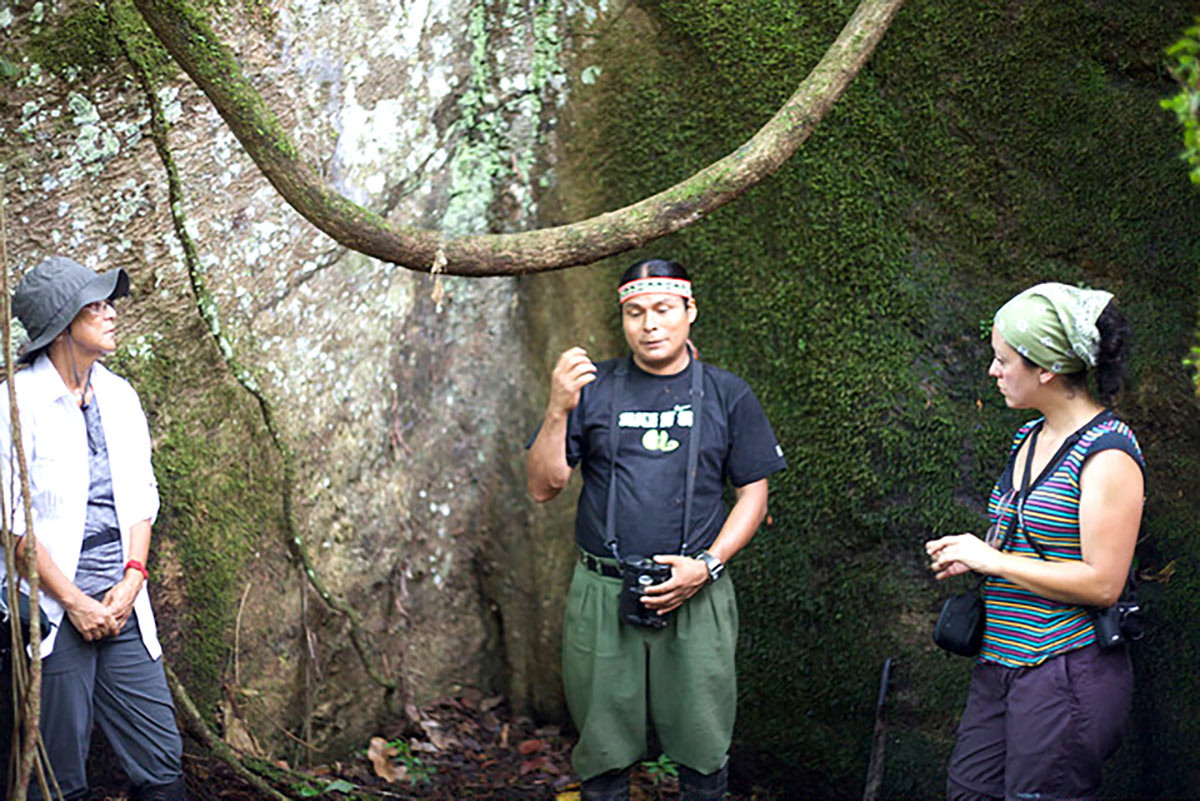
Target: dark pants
114, 683
1041, 732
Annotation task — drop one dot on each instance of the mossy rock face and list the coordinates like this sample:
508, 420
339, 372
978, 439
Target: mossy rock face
984, 148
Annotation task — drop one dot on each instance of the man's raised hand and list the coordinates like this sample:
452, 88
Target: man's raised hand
573, 371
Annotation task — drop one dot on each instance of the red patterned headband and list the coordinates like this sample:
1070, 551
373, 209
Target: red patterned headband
655, 285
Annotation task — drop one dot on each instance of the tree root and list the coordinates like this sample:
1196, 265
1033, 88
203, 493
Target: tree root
195, 725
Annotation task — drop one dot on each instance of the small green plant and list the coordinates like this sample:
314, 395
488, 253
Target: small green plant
416, 770
1186, 104
308, 790
1192, 360
659, 769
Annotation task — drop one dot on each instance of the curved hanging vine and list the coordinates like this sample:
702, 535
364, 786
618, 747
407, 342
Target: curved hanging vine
184, 31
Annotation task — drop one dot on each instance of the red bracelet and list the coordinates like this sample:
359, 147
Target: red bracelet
139, 567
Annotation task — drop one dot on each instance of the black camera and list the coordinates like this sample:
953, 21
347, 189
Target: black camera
1119, 623
638, 573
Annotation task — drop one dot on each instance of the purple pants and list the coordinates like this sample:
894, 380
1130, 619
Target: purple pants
1041, 733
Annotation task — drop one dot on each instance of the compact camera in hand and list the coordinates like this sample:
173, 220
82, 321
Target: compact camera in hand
638, 573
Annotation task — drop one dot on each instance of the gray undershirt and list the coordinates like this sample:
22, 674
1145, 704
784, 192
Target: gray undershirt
100, 561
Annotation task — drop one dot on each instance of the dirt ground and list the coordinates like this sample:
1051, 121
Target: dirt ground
471, 749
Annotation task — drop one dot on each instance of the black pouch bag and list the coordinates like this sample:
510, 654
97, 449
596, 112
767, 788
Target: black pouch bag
959, 628
25, 617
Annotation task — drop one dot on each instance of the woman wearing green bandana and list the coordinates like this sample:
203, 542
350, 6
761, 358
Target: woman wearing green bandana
1050, 690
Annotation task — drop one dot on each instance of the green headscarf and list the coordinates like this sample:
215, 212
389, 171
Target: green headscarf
1054, 326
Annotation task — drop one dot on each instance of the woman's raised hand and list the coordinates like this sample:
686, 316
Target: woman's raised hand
958, 554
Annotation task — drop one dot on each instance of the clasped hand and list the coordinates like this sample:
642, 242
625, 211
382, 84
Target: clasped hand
95, 620
958, 554
688, 575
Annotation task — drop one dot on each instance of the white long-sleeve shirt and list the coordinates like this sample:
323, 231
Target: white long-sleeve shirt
54, 435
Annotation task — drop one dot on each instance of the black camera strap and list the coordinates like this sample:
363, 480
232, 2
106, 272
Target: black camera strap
1027, 486
614, 442
1019, 495
610, 514
689, 492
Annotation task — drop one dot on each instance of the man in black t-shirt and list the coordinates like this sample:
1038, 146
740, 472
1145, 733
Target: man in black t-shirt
681, 677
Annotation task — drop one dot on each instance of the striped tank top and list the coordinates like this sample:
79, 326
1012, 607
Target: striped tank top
1022, 628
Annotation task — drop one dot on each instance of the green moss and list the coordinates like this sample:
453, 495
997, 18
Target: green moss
983, 148
82, 43
219, 490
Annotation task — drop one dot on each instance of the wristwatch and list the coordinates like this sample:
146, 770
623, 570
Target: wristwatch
715, 566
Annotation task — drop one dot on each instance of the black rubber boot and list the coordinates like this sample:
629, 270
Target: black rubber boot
611, 786
695, 786
175, 791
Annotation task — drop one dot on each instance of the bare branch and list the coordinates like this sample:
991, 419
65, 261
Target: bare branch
26, 707
186, 34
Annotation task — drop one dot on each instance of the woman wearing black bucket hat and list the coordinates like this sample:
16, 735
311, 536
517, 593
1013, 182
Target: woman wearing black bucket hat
95, 498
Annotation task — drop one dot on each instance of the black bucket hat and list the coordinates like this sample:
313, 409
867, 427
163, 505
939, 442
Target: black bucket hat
52, 293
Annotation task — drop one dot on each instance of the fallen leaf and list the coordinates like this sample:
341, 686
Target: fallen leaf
440, 739
504, 736
488, 704
540, 762
567, 795
1163, 575
380, 754
236, 733
528, 747
470, 697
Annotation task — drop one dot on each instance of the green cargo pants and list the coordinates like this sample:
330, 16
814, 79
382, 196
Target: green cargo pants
680, 677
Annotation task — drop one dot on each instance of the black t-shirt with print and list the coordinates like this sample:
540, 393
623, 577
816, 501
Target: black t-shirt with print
654, 420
